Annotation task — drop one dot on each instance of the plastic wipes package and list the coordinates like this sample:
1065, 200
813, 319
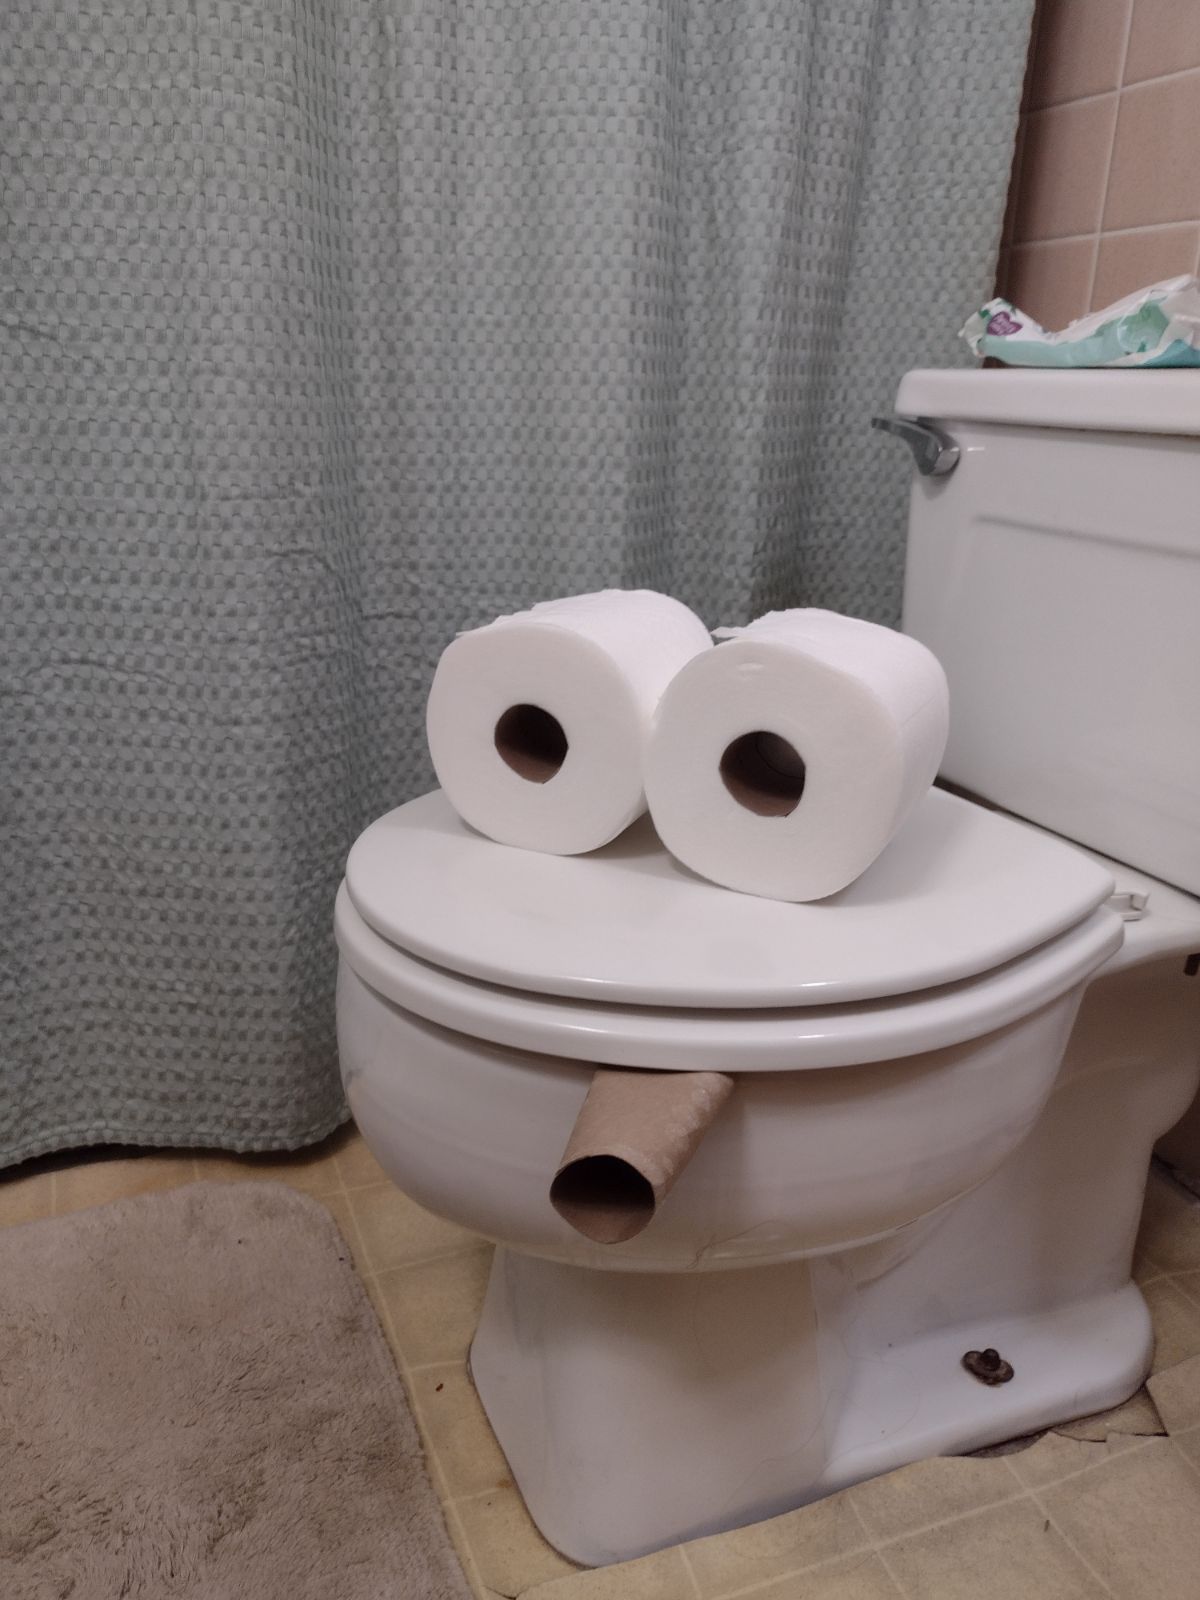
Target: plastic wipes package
1156, 327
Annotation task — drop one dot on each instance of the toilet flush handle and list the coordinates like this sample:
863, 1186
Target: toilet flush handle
934, 452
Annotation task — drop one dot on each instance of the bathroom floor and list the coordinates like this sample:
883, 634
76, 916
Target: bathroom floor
1107, 1507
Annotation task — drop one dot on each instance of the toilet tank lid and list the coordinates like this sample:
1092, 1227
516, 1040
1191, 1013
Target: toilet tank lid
958, 892
1120, 400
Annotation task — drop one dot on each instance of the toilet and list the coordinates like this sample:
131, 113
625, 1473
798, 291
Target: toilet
910, 1229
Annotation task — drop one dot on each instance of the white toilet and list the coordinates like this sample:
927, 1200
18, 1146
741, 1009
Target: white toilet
949, 1077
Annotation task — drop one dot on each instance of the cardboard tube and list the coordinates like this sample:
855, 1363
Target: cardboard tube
634, 1135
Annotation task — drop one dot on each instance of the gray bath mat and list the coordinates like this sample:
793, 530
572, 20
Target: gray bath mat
196, 1401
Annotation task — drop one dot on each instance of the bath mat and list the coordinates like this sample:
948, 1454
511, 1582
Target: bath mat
196, 1401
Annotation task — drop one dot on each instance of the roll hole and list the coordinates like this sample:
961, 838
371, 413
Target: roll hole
531, 742
764, 773
604, 1198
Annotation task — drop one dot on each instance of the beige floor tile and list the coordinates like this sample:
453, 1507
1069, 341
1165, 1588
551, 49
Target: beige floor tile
662, 1576
396, 1230
1138, 1415
765, 1550
1176, 1393
1144, 1269
859, 1577
1188, 1445
509, 1552
1176, 1323
458, 1537
356, 1164
313, 1170
457, 1430
435, 1305
1189, 1282
1170, 1231
1134, 1519
931, 1491
25, 1197
100, 1178
339, 1208
1054, 1457
1005, 1553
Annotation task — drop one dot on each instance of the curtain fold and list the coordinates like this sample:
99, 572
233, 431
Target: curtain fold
330, 326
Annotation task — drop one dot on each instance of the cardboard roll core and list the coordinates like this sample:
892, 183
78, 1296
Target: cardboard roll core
764, 773
531, 742
603, 1197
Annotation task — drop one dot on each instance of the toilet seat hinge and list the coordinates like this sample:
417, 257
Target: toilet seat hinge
1129, 904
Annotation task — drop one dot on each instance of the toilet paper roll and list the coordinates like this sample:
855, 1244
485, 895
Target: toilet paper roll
783, 761
633, 1137
538, 723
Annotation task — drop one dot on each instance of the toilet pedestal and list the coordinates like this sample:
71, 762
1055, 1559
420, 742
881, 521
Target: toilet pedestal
641, 1409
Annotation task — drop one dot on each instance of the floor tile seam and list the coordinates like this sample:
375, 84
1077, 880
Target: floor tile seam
697, 1593
1189, 1295
446, 1361
463, 1543
1051, 1521
1192, 1465
893, 1539
1072, 1545
423, 1260
748, 1591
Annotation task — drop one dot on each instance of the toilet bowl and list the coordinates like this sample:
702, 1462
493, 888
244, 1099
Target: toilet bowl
647, 1392
948, 1078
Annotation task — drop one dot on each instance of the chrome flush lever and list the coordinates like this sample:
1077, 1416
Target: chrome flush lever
935, 453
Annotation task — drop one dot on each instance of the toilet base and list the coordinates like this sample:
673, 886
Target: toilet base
639, 1410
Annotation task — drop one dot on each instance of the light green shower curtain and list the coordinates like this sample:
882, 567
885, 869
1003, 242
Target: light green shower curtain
330, 326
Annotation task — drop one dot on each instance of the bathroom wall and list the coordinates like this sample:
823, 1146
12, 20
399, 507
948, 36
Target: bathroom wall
1105, 194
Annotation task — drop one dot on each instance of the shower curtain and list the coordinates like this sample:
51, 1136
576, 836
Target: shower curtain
330, 326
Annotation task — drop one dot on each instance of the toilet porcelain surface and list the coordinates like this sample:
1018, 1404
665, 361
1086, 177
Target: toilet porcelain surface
837, 1220
961, 891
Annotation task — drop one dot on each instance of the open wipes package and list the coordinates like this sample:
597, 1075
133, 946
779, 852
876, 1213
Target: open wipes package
1156, 327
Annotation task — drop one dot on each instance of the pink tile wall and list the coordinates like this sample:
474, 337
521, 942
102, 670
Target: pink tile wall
1105, 193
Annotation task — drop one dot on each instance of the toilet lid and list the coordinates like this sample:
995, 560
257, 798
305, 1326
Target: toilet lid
957, 892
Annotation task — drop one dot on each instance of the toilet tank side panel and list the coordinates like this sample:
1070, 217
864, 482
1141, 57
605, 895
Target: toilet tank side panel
1056, 575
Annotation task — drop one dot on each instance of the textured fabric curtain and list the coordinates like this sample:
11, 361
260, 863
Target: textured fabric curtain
330, 326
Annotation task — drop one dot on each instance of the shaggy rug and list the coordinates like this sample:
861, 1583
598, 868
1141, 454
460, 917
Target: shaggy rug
196, 1401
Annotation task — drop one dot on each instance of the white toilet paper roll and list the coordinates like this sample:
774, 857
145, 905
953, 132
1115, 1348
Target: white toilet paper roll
783, 761
538, 723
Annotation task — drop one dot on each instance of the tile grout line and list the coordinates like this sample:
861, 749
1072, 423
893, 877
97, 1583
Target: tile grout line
438, 1479
425, 1260
463, 1548
1018, 167
697, 1593
1095, 267
1050, 1521
1120, 86
942, 1522
1106, 233
749, 1590
876, 1545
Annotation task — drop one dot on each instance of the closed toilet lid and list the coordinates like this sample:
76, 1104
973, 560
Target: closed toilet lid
959, 891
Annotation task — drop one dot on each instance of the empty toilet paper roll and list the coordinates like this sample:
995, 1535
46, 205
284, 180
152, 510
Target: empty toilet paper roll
538, 722
635, 1134
783, 761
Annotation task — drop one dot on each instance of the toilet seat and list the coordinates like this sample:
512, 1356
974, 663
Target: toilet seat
967, 921
959, 891
759, 1040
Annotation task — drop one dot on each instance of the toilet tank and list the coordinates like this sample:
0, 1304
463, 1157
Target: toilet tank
1055, 571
